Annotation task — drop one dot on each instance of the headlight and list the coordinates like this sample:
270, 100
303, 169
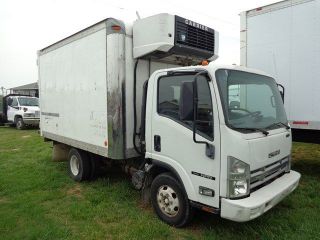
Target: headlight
238, 178
29, 115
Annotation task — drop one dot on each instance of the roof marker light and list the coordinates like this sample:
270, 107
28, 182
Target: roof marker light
116, 27
300, 122
204, 63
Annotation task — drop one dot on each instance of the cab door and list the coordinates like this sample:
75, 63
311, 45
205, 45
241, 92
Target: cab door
172, 138
13, 107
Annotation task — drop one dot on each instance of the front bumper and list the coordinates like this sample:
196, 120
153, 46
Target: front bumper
260, 201
32, 121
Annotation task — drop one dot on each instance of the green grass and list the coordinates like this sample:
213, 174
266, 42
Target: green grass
39, 201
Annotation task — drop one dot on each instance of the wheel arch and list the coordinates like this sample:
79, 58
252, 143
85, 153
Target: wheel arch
17, 116
159, 167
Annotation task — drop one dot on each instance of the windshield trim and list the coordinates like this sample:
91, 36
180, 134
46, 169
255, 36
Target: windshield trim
246, 131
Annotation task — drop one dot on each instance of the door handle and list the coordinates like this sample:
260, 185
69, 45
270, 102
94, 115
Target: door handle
157, 143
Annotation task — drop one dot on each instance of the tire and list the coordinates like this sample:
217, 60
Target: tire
170, 201
95, 167
79, 165
20, 124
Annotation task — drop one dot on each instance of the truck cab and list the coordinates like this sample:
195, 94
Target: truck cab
22, 111
224, 131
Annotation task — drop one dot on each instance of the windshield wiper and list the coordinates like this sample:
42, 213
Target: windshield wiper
277, 124
265, 132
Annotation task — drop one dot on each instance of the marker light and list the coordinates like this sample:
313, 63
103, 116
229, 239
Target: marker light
116, 28
204, 63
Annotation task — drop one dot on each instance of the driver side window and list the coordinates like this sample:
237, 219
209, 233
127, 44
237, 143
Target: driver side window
14, 102
169, 101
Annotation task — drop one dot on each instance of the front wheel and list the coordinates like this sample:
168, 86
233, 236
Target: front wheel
20, 124
170, 201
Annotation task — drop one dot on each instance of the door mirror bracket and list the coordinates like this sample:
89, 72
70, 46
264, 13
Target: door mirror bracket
188, 109
210, 150
281, 91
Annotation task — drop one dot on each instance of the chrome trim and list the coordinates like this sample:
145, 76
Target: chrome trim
264, 174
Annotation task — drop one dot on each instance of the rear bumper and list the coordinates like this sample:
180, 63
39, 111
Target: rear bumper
260, 201
31, 121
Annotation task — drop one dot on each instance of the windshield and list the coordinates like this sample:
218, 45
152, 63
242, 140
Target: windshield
249, 100
28, 101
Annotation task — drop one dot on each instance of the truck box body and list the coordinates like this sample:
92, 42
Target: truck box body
86, 83
283, 39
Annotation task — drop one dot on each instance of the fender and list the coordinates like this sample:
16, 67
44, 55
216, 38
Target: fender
16, 116
181, 176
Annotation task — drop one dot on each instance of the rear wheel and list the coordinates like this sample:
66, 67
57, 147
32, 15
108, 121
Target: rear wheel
20, 124
79, 165
170, 201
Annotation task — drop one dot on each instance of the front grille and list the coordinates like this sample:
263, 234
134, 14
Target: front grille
195, 37
37, 114
262, 176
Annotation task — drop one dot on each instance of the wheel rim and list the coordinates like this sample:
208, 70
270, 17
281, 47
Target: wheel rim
19, 124
74, 165
168, 201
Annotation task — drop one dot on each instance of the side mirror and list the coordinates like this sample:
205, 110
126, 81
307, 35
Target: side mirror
9, 101
186, 106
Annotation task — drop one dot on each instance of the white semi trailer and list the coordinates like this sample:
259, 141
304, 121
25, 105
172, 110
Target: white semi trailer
198, 136
283, 39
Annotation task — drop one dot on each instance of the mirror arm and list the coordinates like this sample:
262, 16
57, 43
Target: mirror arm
283, 89
210, 150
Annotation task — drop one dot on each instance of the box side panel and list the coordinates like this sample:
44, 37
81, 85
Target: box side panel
73, 93
116, 95
286, 44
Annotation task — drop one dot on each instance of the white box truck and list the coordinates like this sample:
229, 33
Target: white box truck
196, 136
283, 39
20, 111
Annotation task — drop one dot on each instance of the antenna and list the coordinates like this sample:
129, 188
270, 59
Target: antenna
138, 15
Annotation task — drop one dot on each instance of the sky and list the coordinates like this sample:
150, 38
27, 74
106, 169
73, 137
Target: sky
27, 26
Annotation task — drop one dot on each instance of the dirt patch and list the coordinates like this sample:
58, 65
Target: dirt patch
9, 150
26, 136
75, 191
3, 200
